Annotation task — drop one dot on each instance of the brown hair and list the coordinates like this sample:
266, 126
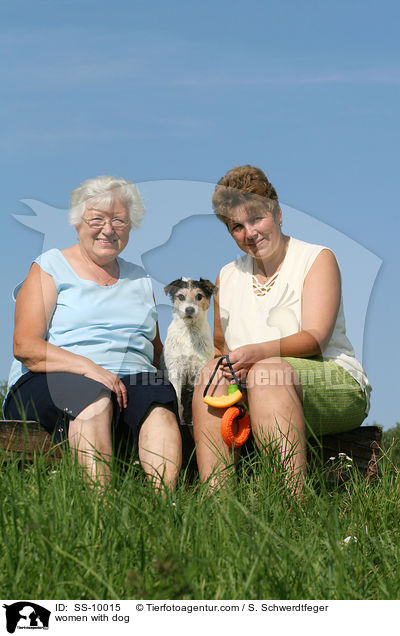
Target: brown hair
243, 185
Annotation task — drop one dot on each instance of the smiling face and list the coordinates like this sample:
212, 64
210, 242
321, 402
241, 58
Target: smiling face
256, 230
102, 245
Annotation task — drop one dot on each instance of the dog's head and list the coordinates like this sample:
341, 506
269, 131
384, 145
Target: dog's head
191, 298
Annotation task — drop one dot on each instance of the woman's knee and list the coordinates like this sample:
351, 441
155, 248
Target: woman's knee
101, 406
160, 422
160, 437
160, 413
272, 373
91, 429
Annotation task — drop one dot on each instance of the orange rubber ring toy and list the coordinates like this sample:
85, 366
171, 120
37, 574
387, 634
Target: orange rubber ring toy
235, 439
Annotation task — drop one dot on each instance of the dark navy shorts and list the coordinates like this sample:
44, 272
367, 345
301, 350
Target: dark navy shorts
53, 399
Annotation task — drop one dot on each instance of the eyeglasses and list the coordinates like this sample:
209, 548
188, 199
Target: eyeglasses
99, 222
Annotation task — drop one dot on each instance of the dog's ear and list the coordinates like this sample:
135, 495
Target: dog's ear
208, 287
171, 288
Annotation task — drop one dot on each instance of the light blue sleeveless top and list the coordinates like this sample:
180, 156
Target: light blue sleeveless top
113, 326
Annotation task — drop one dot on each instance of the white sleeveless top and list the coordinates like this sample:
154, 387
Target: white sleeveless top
249, 318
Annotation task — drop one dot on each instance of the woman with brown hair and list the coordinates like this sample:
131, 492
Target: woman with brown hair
279, 316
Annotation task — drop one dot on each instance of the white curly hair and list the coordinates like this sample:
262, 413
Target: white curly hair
101, 191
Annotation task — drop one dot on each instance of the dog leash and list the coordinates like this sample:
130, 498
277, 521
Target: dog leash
232, 413
237, 381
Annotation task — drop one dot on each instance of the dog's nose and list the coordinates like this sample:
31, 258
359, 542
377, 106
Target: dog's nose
189, 311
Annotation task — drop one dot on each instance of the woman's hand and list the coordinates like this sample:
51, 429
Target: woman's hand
110, 380
241, 360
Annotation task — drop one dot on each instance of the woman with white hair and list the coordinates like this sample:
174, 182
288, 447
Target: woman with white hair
86, 342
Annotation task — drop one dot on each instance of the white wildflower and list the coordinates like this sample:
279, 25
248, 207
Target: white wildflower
350, 538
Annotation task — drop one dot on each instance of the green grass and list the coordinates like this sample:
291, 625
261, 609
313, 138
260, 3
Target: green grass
59, 540
3, 391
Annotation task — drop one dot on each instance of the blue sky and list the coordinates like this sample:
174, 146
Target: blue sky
182, 91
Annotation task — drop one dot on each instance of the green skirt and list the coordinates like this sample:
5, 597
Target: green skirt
333, 401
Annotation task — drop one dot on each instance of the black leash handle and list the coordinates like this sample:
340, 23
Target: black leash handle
242, 411
237, 381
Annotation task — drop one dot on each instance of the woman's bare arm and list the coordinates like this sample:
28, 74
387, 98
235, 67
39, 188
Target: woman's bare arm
322, 291
220, 348
34, 308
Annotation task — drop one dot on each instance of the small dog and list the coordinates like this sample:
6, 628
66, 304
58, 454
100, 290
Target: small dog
188, 345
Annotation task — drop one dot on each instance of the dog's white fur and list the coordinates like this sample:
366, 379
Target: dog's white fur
188, 345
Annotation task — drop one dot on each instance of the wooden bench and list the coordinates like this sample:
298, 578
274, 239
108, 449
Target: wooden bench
24, 440
362, 445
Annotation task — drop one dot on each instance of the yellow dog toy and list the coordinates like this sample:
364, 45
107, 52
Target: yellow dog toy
235, 423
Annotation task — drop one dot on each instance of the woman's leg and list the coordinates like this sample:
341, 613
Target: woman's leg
275, 404
213, 455
160, 447
89, 437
